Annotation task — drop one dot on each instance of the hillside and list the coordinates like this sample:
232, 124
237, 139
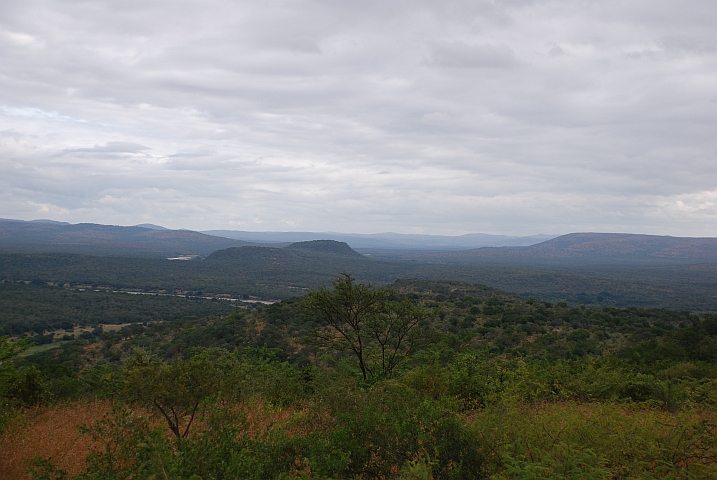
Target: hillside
587, 248
603, 269
272, 273
324, 251
324, 246
107, 240
489, 384
388, 240
291, 270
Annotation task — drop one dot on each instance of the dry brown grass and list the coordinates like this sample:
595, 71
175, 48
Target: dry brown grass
261, 418
49, 432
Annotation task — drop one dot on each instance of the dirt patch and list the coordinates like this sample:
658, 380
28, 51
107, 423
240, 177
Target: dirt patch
49, 432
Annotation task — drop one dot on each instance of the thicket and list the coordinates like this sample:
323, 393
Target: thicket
273, 273
38, 309
506, 388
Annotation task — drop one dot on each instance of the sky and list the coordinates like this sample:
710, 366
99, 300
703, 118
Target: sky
511, 117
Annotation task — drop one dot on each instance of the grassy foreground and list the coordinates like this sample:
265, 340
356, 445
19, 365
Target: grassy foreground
424, 381
386, 431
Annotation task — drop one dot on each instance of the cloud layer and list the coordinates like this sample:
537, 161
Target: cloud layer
513, 116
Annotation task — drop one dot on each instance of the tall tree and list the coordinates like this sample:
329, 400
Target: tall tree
397, 332
175, 390
366, 321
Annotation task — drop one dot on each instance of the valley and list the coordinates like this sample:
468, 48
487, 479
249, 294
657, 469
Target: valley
313, 360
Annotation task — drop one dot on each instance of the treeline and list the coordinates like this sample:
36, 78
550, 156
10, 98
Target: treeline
39, 309
475, 316
273, 273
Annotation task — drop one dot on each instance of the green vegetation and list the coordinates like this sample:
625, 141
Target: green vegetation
19, 387
378, 330
39, 309
274, 273
485, 385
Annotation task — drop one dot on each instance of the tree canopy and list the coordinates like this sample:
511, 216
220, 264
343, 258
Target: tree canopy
379, 330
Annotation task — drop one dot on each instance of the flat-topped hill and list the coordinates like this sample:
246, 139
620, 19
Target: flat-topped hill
324, 246
325, 252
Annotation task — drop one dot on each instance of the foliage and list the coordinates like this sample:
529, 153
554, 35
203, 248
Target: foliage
274, 273
507, 387
41, 468
129, 448
176, 389
581, 465
30, 308
10, 349
19, 387
597, 441
380, 332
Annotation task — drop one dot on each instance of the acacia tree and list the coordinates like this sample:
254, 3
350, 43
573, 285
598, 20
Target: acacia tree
175, 389
397, 332
366, 321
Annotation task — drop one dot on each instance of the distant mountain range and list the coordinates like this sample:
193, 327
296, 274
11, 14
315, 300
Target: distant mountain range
388, 241
154, 241
581, 248
108, 240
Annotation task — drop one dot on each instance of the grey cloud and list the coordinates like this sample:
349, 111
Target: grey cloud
556, 51
689, 44
463, 55
304, 43
264, 115
436, 118
110, 147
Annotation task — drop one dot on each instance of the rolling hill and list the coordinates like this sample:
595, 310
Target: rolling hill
107, 240
603, 269
591, 248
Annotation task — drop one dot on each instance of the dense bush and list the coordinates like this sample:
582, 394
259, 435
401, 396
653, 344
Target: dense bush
507, 388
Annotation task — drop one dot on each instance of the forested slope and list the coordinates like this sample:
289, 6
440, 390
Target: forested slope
107, 240
498, 386
274, 273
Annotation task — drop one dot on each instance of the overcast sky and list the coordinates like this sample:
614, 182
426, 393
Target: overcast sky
447, 117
